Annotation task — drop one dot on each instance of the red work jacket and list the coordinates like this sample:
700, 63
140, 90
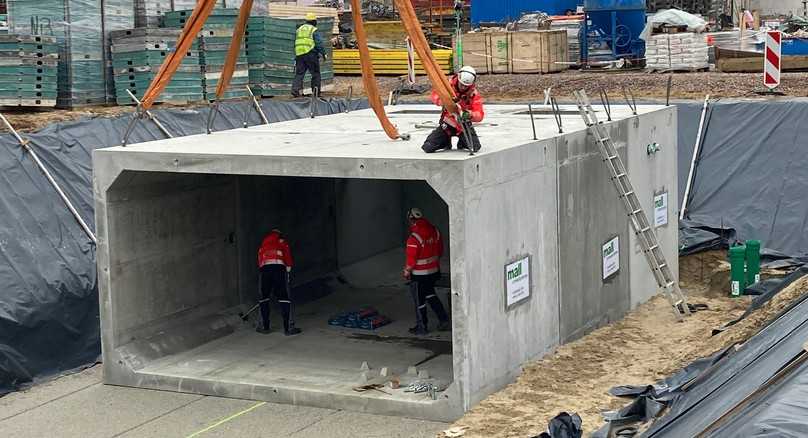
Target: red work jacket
275, 251
470, 101
424, 248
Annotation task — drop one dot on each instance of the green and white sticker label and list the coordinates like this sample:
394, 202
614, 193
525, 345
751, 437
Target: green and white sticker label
611, 257
517, 281
661, 209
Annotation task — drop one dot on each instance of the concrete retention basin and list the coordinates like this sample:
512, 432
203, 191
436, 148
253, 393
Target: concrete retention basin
538, 252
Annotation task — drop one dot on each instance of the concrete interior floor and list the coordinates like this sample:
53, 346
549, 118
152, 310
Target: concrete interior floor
324, 357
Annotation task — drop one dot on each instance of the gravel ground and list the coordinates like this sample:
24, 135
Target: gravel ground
643, 85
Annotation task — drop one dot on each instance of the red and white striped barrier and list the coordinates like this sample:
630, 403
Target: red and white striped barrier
773, 59
410, 62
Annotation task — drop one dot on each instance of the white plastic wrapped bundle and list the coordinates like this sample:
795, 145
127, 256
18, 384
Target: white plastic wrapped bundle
672, 52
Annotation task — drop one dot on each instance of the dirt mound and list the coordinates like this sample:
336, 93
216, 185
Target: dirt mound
647, 345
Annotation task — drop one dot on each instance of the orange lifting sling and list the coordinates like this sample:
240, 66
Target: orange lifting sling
203, 9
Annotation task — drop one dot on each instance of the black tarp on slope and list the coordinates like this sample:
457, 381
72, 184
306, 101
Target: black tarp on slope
740, 374
49, 319
751, 176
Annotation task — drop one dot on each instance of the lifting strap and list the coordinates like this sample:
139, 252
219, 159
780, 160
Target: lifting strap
235, 49
368, 77
172, 62
439, 81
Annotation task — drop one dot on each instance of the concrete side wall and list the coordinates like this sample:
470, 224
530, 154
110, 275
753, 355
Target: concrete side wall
652, 175
590, 214
172, 249
510, 212
370, 218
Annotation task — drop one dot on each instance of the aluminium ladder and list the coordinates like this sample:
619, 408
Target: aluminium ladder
639, 221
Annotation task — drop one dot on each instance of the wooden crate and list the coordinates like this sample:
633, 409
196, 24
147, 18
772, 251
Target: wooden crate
543, 51
477, 51
500, 52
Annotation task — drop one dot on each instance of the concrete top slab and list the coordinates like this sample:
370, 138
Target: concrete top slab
359, 135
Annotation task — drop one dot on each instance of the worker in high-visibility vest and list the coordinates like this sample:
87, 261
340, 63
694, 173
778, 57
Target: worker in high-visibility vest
309, 48
422, 270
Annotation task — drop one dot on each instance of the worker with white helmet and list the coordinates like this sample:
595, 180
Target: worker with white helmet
422, 269
470, 104
309, 48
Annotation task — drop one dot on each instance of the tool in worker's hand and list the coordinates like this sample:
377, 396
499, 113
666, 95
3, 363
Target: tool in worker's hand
245, 316
465, 126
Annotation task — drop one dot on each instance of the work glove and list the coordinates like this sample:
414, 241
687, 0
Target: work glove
325, 57
406, 273
465, 116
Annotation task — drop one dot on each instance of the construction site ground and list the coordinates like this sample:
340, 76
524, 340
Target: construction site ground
529, 87
647, 345
80, 406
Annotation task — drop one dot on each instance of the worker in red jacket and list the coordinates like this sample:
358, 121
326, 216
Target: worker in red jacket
422, 269
275, 263
470, 104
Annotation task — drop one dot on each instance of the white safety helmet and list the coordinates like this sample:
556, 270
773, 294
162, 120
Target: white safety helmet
415, 213
467, 76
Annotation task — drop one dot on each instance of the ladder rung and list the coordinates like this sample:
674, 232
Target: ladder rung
653, 247
620, 175
612, 157
663, 265
670, 284
627, 194
643, 230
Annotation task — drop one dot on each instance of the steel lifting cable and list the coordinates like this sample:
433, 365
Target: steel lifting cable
368, 77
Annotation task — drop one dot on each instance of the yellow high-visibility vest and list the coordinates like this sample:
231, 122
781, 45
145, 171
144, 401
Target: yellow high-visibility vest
304, 41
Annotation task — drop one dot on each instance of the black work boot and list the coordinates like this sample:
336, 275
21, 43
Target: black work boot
292, 331
262, 330
419, 330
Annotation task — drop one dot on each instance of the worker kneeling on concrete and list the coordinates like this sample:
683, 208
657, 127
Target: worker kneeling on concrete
308, 50
422, 268
275, 264
470, 104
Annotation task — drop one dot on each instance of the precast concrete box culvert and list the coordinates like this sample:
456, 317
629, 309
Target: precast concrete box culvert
537, 251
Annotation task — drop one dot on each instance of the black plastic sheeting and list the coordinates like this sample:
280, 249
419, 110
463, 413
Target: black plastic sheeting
707, 389
564, 425
750, 178
49, 320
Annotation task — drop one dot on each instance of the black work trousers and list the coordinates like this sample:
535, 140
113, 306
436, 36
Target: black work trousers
422, 289
310, 62
441, 138
275, 282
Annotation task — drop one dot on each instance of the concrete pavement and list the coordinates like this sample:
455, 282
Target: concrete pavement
79, 405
